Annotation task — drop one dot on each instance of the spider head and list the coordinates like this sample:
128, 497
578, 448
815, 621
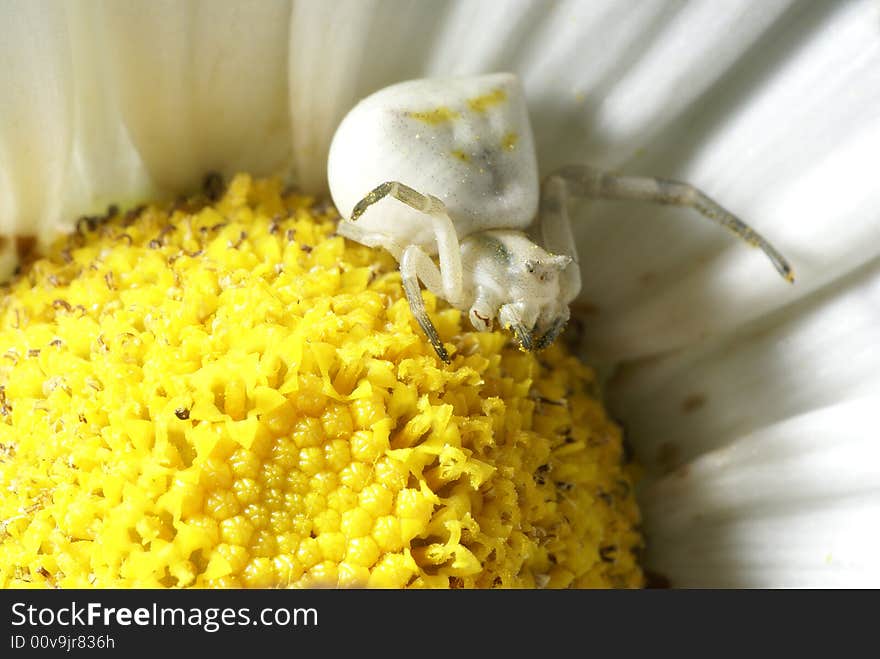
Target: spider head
536, 313
520, 283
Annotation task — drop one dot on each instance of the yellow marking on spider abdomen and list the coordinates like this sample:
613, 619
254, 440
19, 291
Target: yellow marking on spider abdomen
460, 155
485, 101
509, 140
438, 115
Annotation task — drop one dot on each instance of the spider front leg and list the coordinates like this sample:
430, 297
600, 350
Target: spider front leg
510, 316
415, 264
448, 248
554, 330
484, 309
585, 181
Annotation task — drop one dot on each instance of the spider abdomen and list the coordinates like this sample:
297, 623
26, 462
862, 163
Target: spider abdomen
466, 141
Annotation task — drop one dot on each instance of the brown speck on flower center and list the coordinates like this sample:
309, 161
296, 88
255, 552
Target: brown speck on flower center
213, 186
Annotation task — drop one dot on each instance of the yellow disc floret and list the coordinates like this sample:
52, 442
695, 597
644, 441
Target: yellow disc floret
231, 395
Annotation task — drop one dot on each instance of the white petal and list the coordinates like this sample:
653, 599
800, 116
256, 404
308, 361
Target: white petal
761, 449
120, 101
817, 353
36, 110
106, 167
606, 79
787, 139
594, 92
792, 505
201, 86
343, 51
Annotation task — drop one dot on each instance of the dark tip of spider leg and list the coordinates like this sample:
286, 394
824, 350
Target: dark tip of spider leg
551, 334
363, 204
524, 336
358, 210
783, 267
434, 338
372, 197
414, 296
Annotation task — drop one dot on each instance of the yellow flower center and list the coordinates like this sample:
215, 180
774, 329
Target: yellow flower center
229, 394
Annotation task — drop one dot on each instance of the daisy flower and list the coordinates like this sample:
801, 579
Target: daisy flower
749, 402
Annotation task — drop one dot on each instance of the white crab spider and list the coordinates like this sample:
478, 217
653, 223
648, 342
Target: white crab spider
447, 167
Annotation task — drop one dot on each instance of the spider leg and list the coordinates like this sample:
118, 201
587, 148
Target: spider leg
354, 232
553, 331
483, 310
585, 181
448, 248
509, 317
556, 234
416, 265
